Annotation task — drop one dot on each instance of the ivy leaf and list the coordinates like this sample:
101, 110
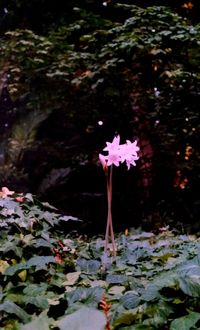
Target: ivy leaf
11, 308
84, 319
185, 322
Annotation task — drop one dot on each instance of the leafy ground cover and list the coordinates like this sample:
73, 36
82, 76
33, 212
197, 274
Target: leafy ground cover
52, 278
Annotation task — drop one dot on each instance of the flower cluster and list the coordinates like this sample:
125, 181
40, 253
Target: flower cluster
119, 153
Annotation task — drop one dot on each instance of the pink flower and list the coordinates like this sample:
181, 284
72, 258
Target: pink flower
113, 146
113, 159
117, 153
131, 161
132, 147
103, 160
5, 192
128, 153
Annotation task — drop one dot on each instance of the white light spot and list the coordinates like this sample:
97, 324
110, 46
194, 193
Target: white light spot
100, 122
156, 91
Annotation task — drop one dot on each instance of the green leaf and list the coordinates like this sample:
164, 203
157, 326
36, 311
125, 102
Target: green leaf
128, 317
88, 266
167, 279
11, 308
40, 301
40, 323
35, 289
40, 242
185, 322
40, 262
130, 300
189, 280
84, 319
116, 279
10, 271
29, 196
158, 313
85, 295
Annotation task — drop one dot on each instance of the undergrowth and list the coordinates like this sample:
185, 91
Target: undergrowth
51, 278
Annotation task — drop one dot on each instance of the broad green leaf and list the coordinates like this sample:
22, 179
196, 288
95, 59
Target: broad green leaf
40, 262
35, 289
41, 242
151, 292
88, 266
189, 279
39, 301
40, 323
167, 279
158, 313
84, 319
11, 308
85, 295
130, 300
116, 279
186, 322
130, 316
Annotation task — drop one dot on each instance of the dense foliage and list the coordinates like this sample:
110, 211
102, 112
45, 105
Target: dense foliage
122, 69
53, 280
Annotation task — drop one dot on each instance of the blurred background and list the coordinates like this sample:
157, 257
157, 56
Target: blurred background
75, 73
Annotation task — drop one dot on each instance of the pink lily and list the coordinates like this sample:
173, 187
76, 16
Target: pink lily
117, 154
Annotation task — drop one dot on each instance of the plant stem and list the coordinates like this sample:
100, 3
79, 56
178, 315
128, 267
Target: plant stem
109, 226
